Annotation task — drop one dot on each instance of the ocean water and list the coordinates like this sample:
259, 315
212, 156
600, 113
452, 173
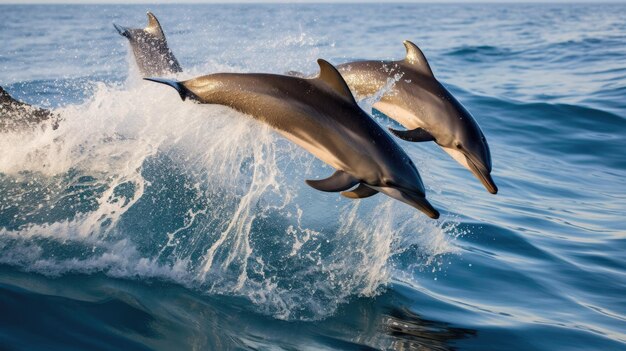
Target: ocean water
146, 223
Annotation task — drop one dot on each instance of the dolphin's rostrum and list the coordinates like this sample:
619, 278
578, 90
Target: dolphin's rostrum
425, 107
320, 115
152, 54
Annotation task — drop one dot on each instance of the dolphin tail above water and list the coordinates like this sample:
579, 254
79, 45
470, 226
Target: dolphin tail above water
153, 27
152, 53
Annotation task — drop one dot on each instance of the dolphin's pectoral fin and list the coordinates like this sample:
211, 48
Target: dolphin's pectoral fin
361, 192
415, 135
339, 181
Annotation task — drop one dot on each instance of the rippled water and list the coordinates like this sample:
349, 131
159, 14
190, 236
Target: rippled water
146, 223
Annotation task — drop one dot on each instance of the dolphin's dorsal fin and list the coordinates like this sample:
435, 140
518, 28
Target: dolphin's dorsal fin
154, 27
332, 78
416, 58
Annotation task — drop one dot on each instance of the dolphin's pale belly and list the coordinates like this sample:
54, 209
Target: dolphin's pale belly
458, 156
316, 149
408, 119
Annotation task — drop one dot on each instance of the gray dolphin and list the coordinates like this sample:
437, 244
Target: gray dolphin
17, 115
321, 116
425, 107
152, 54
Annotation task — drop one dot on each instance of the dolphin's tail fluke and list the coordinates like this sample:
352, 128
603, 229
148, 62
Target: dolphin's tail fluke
122, 30
180, 87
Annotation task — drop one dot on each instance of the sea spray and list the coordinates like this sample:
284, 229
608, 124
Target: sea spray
138, 184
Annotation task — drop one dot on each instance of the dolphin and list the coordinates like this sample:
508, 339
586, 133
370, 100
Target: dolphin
150, 49
425, 107
16, 115
321, 116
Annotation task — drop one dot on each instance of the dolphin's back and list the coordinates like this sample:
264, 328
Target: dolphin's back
277, 95
366, 78
407, 94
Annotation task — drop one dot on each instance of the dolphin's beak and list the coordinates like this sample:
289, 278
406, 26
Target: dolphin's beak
416, 201
472, 164
423, 205
122, 30
483, 175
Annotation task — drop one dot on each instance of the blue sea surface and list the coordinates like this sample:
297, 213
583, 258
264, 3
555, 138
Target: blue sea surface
147, 223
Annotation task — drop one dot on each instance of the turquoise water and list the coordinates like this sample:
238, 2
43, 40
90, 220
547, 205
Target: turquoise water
146, 223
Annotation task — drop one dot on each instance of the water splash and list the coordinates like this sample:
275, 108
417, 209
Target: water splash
137, 184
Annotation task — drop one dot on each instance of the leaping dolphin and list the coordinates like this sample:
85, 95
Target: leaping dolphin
425, 107
321, 116
17, 115
152, 54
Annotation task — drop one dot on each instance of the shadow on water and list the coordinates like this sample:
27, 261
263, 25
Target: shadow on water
99, 313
